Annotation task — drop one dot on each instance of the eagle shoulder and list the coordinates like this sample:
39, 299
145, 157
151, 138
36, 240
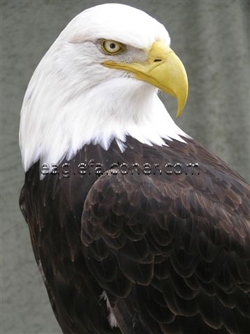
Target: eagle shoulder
169, 255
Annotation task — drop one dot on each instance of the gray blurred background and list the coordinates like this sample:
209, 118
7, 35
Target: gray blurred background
213, 40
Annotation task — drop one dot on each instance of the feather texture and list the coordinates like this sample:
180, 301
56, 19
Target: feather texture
171, 252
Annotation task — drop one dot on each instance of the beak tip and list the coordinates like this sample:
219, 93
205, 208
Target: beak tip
178, 114
180, 109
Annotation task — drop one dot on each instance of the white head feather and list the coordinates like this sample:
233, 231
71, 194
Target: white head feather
72, 99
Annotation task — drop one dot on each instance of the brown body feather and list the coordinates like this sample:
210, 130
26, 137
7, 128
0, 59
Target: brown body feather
171, 250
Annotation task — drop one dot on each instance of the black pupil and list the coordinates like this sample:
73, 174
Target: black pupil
112, 46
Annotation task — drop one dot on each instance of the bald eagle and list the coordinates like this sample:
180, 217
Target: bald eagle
135, 227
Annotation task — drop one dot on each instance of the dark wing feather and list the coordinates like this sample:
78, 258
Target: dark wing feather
172, 254
171, 251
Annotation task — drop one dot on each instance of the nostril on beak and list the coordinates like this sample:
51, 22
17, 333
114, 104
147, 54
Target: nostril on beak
157, 60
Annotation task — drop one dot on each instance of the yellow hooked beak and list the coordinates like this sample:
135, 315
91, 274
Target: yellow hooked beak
162, 69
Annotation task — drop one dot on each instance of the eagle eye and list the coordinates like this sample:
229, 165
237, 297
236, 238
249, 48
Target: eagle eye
112, 47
